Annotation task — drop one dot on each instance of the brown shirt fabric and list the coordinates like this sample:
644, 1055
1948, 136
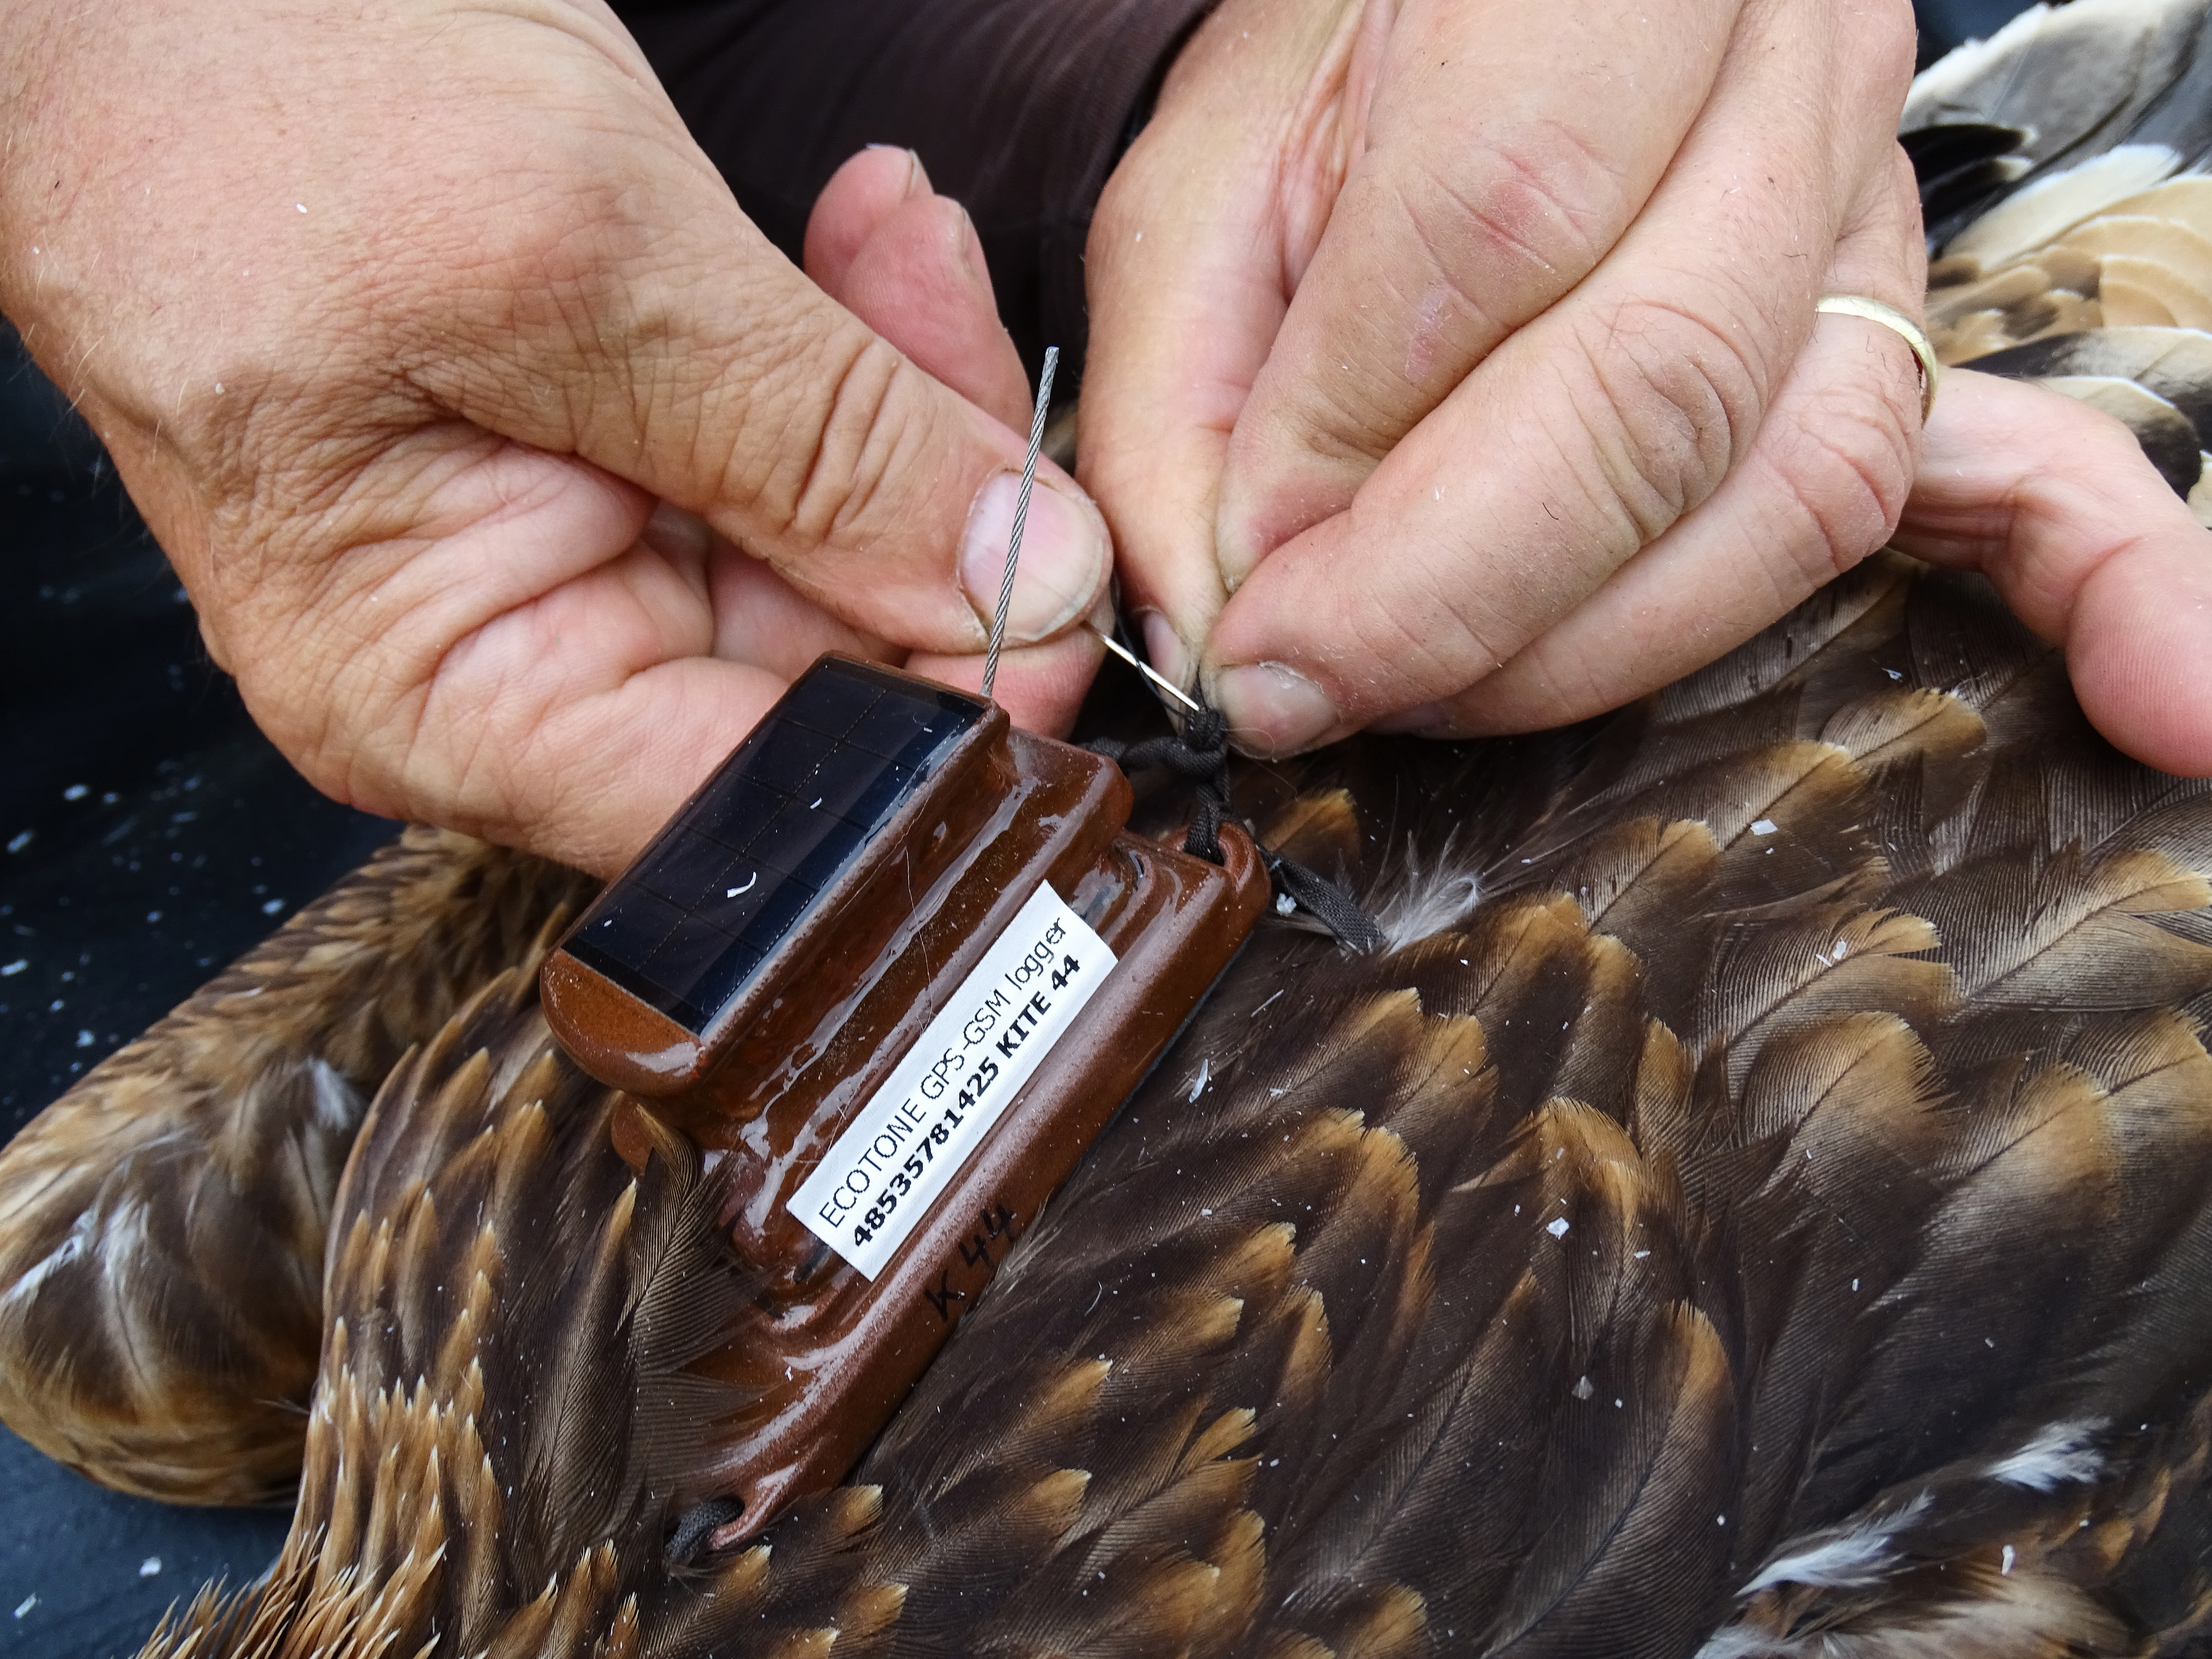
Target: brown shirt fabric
1018, 109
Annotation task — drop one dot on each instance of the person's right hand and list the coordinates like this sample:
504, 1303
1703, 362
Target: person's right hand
400, 324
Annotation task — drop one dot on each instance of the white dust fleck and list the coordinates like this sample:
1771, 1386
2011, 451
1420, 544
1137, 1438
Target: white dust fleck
1557, 1229
1762, 826
26, 1605
1582, 1389
1205, 1071
2011, 1555
272, 907
19, 843
75, 792
149, 1566
1284, 904
85, 1039
15, 968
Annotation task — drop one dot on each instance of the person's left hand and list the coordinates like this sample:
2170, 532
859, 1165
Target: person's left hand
1471, 346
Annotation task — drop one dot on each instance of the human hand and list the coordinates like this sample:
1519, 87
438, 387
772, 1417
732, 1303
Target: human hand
400, 333
2056, 505
1470, 346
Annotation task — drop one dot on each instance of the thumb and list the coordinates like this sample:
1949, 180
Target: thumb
2054, 502
711, 372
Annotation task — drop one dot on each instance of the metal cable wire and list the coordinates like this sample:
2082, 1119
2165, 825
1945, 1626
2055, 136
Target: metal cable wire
1021, 518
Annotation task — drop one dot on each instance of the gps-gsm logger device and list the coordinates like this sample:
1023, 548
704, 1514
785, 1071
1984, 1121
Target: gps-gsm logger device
901, 962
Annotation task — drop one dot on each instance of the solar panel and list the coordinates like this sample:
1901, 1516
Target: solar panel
688, 926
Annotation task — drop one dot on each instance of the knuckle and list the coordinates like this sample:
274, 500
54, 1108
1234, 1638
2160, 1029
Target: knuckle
1427, 658
1446, 623
550, 324
844, 429
1884, 35
1526, 218
562, 237
1667, 402
1846, 463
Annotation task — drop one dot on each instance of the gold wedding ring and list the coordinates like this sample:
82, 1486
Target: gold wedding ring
1858, 304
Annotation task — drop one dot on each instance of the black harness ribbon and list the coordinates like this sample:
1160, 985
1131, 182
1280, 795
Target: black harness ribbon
1200, 754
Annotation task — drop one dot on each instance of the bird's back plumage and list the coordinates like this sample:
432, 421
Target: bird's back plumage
1757, 1205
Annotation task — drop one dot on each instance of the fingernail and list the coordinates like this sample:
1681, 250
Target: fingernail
674, 534
973, 260
1272, 709
917, 180
1064, 558
1418, 721
1163, 648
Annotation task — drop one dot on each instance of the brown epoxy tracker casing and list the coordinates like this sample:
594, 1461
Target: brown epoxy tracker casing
766, 1052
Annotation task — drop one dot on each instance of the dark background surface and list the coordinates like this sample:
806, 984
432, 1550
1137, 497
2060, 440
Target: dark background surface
148, 835
1945, 23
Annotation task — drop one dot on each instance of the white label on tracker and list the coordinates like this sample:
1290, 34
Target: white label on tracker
930, 1115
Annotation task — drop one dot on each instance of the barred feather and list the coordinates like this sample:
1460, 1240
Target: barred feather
203, 1158
1771, 1220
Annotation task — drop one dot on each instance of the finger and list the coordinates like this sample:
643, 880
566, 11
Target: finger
2054, 502
1583, 437
921, 282
919, 278
859, 196
759, 618
1041, 687
1184, 268
1822, 487
1486, 192
717, 377
561, 719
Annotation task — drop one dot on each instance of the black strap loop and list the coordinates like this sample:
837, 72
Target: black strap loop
1200, 754
699, 1524
1325, 901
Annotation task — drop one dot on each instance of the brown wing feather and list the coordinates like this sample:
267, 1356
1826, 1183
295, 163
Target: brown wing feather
163, 1224
1687, 1243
